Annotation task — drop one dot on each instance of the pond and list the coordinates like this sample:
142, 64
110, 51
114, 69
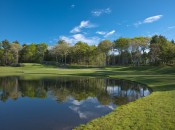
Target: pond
61, 103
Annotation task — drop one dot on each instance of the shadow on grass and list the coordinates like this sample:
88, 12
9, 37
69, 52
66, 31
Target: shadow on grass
157, 69
169, 87
77, 67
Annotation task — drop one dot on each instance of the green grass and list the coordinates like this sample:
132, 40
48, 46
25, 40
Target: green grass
154, 112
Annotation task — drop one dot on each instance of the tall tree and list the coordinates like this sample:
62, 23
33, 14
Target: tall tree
82, 51
138, 46
6, 47
15, 47
61, 49
105, 46
0, 45
64, 49
41, 49
30, 53
158, 46
1, 54
122, 45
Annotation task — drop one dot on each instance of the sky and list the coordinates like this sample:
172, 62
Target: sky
90, 21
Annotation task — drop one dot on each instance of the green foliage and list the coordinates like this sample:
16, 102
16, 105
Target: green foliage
62, 49
1, 56
81, 51
121, 44
15, 47
41, 49
105, 46
123, 51
161, 50
6, 47
29, 53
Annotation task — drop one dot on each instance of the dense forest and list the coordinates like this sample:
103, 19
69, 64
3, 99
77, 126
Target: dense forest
135, 51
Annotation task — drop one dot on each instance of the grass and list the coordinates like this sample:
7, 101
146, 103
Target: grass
154, 112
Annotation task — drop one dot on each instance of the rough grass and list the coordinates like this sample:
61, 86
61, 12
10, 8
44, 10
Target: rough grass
154, 112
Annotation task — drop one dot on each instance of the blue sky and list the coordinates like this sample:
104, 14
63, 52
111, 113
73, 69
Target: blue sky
88, 20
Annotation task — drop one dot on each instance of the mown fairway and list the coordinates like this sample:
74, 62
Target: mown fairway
156, 111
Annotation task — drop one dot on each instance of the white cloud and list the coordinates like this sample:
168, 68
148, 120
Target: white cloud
80, 37
96, 12
106, 34
83, 24
99, 12
148, 20
75, 30
67, 39
101, 32
152, 19
110, 33
171, 27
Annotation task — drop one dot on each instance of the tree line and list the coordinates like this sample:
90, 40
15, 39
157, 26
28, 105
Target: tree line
135, 51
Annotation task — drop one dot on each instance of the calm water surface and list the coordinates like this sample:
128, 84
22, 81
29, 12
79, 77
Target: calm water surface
61, 103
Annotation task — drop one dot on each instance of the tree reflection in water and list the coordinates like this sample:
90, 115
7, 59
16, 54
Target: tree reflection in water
61, 102
105, 90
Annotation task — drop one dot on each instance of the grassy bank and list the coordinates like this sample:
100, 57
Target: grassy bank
154, 112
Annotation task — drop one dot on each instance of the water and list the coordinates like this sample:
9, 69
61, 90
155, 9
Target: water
61, 103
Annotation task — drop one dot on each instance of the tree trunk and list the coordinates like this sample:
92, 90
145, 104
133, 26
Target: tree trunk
43, 57
6, 58
105, 62
17, 58
84, 60
56, 58
64, 59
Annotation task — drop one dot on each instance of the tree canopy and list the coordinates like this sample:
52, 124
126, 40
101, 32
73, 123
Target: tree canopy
136, 51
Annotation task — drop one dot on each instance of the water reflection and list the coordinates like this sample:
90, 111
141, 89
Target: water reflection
62, 102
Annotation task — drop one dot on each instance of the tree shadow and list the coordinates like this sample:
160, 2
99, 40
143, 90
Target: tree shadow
169, 87
77, 67
150, 69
